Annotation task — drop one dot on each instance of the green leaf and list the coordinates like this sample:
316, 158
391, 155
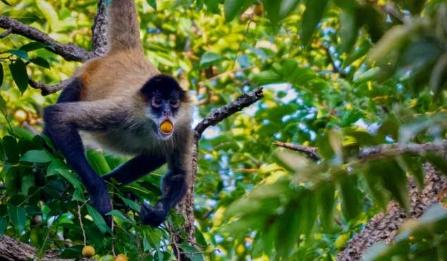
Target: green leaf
49, 13
349, 30
11, 149
311, 17
37, 156
326, 203
233, 8
212, 6
2, 104
1, 74
152, 3
98, 161
32, 46
40, 61
130, 203
209, 58
279, 9
191, 252
120, 216
393, 179
17, 216
351, 196
266, 77
6, 2
97, 219
3, 225
19, 74
19, 53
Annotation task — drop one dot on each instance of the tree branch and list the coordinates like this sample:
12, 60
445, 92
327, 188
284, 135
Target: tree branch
216, 116
223, 112
69, 52
49, 89
375, 152
385, 226
387, 150
13, 250
99, 30
310, 152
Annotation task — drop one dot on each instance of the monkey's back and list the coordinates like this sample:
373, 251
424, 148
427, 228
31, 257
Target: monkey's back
120, 74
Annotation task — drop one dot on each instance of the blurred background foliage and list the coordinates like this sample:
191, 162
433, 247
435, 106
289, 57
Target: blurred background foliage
338, 75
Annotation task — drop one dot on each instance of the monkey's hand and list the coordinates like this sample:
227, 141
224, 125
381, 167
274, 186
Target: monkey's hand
153, 216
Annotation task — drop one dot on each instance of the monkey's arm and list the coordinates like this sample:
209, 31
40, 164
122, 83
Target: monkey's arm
136, 168
174, 184
62, 123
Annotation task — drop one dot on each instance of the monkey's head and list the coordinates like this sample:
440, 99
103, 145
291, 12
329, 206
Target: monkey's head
164, 98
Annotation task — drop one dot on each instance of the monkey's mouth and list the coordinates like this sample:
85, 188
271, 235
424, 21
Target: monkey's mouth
166, 127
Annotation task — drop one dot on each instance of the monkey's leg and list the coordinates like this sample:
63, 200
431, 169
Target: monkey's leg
62, 122
136, 168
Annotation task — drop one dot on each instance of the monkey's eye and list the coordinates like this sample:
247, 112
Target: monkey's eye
174, 103
156, 102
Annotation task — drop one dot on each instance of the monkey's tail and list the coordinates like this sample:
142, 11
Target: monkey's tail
124, 30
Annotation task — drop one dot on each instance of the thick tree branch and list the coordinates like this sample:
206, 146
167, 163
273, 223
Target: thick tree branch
49, 89
99, 30
69, 52
13, 250
223, 112
310, 152
385, 226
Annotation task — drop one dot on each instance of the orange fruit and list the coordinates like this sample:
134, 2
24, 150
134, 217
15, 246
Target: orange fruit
88, 251
166, 127
121, 257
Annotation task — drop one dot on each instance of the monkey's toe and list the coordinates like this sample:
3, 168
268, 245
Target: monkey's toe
152, 216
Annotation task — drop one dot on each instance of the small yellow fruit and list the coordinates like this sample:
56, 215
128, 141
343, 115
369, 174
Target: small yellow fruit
20, 116
88, 251
121, 257
166, 127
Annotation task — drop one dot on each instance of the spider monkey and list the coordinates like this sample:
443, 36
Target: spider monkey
123, 101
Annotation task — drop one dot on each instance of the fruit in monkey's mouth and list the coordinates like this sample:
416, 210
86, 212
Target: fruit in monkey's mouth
166, 127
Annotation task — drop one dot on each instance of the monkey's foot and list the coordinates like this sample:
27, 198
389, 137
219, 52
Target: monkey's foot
153, 216
101, 202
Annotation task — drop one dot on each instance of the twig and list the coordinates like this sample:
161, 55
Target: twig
223, 112
81, 225
310, 152
69, 52
49, 89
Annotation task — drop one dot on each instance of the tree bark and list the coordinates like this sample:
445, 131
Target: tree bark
13, 250
385, 226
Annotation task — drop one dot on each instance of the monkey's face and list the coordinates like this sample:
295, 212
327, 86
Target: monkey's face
163, 98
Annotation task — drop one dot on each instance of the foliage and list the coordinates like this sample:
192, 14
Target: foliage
338, 75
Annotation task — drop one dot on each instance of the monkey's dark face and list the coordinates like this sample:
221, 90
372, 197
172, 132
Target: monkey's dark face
163, 96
